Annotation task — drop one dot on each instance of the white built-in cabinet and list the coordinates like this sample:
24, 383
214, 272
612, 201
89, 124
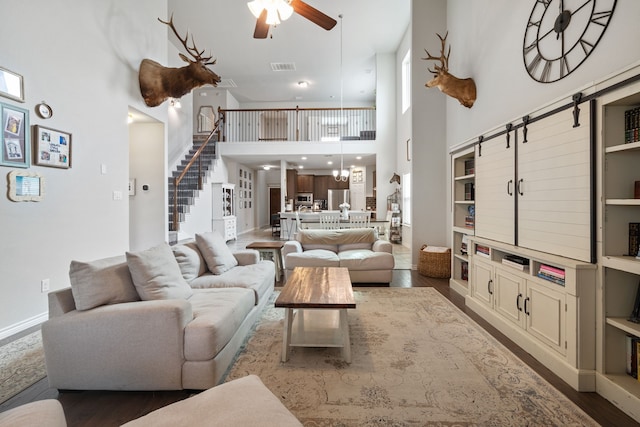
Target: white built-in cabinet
620, 270
553, 322
224, 211
536, 192
561, 197
463, 215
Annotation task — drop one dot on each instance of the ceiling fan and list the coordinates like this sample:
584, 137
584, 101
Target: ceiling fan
271, 12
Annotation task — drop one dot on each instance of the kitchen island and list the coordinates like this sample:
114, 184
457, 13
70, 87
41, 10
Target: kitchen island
311, 219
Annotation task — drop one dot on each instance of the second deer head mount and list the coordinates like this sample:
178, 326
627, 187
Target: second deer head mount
464, 90
157, 83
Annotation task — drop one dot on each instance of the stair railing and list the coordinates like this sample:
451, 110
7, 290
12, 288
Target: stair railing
177, 180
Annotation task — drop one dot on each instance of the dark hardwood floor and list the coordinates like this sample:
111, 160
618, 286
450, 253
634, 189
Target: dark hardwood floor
107, 408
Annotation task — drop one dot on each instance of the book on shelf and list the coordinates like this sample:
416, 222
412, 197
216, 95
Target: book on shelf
469, 221
464, 271
632, 125
469, 166
469, 191
482, 251
553, 279
635, 314
547, 271
634, 238
632, 355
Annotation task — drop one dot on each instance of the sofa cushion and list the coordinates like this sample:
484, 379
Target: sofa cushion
190, 260
242, 402
215, 251
46, 412
259, 277
312, 258
336, 237
156, 274
363, 259
217, 315
100, 282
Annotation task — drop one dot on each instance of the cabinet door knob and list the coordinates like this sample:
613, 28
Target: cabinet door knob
528, 313
520, 187
518, 302
509, 191
489, 287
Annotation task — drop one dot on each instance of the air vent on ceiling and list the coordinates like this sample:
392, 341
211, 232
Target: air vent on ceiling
283, 66
227, 83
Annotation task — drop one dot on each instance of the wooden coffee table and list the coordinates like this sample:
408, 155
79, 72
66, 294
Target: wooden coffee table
320, 297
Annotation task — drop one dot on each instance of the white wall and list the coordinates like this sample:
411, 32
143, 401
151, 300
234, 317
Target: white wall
86, 68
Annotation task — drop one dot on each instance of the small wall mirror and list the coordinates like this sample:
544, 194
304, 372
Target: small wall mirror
206, 118
11, 85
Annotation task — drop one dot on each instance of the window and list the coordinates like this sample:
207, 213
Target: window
406, 198
406, 82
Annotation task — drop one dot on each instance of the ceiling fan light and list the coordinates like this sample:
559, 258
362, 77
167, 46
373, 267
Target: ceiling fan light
256, 7
272, 16
284, 10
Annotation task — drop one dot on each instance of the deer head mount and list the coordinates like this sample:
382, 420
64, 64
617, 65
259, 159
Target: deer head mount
464, 90
157, 83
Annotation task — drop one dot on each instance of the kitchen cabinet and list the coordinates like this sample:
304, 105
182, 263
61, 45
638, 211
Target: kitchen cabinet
320, 187
292, 183
305, 183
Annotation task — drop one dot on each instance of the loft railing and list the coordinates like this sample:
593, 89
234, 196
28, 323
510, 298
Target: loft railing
297, 124
175, 220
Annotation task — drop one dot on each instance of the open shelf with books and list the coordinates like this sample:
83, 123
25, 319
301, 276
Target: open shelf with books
619, 214
463, 215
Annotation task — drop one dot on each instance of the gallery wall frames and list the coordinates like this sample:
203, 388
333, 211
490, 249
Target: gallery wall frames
51, 147
11, 85
25, 186
16, 149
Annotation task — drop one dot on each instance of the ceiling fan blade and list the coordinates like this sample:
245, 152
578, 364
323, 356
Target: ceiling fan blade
313, 14
262, 28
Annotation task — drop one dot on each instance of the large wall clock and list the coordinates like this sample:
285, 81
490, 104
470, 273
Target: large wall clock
561, 34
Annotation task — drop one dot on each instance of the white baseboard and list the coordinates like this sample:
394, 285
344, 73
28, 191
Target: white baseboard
26, 324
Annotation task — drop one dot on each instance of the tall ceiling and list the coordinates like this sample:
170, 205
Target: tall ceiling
225, 29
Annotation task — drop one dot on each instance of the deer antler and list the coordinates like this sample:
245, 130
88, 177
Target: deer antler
193, 50
444, 59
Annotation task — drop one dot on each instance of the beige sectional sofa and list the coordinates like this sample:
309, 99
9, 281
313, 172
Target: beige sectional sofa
369, 259
166, 318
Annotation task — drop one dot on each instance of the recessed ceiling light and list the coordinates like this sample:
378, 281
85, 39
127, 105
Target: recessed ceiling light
304, 158
266, 167
329, 162
300, 167
359, 158
302, 83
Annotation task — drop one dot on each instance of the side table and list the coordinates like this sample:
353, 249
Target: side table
274, 248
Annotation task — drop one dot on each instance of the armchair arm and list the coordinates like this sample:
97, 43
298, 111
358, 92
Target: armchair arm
290, 247
382, 246
247, 256
128, 346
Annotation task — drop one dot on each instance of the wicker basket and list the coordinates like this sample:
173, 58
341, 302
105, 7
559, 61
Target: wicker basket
435, 264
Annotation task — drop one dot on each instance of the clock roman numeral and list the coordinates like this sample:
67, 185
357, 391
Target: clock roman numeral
534, 64
586, 46
532, 46
545, 2
534, 24
601, 18
564, 67
546, 71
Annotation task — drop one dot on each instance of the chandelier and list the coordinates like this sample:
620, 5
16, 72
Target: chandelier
342, 174
277, 10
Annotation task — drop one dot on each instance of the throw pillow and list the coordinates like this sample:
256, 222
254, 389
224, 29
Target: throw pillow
190, 260
156, 274
216, 253
105, 281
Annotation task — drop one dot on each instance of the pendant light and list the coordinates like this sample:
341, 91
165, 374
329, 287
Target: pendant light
342, 174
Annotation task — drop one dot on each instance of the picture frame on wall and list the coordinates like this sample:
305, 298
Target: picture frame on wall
15, 150
52, 147
11, 85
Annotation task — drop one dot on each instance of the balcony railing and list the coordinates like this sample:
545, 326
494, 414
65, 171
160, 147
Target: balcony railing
297, 124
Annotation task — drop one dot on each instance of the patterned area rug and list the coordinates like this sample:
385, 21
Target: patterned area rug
417, 360
21, 365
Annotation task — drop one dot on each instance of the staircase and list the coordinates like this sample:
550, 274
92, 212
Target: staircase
189, 188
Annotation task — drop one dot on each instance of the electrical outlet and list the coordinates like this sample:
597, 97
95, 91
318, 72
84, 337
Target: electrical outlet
44, 285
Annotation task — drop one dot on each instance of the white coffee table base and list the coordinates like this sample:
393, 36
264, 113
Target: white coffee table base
316, 328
